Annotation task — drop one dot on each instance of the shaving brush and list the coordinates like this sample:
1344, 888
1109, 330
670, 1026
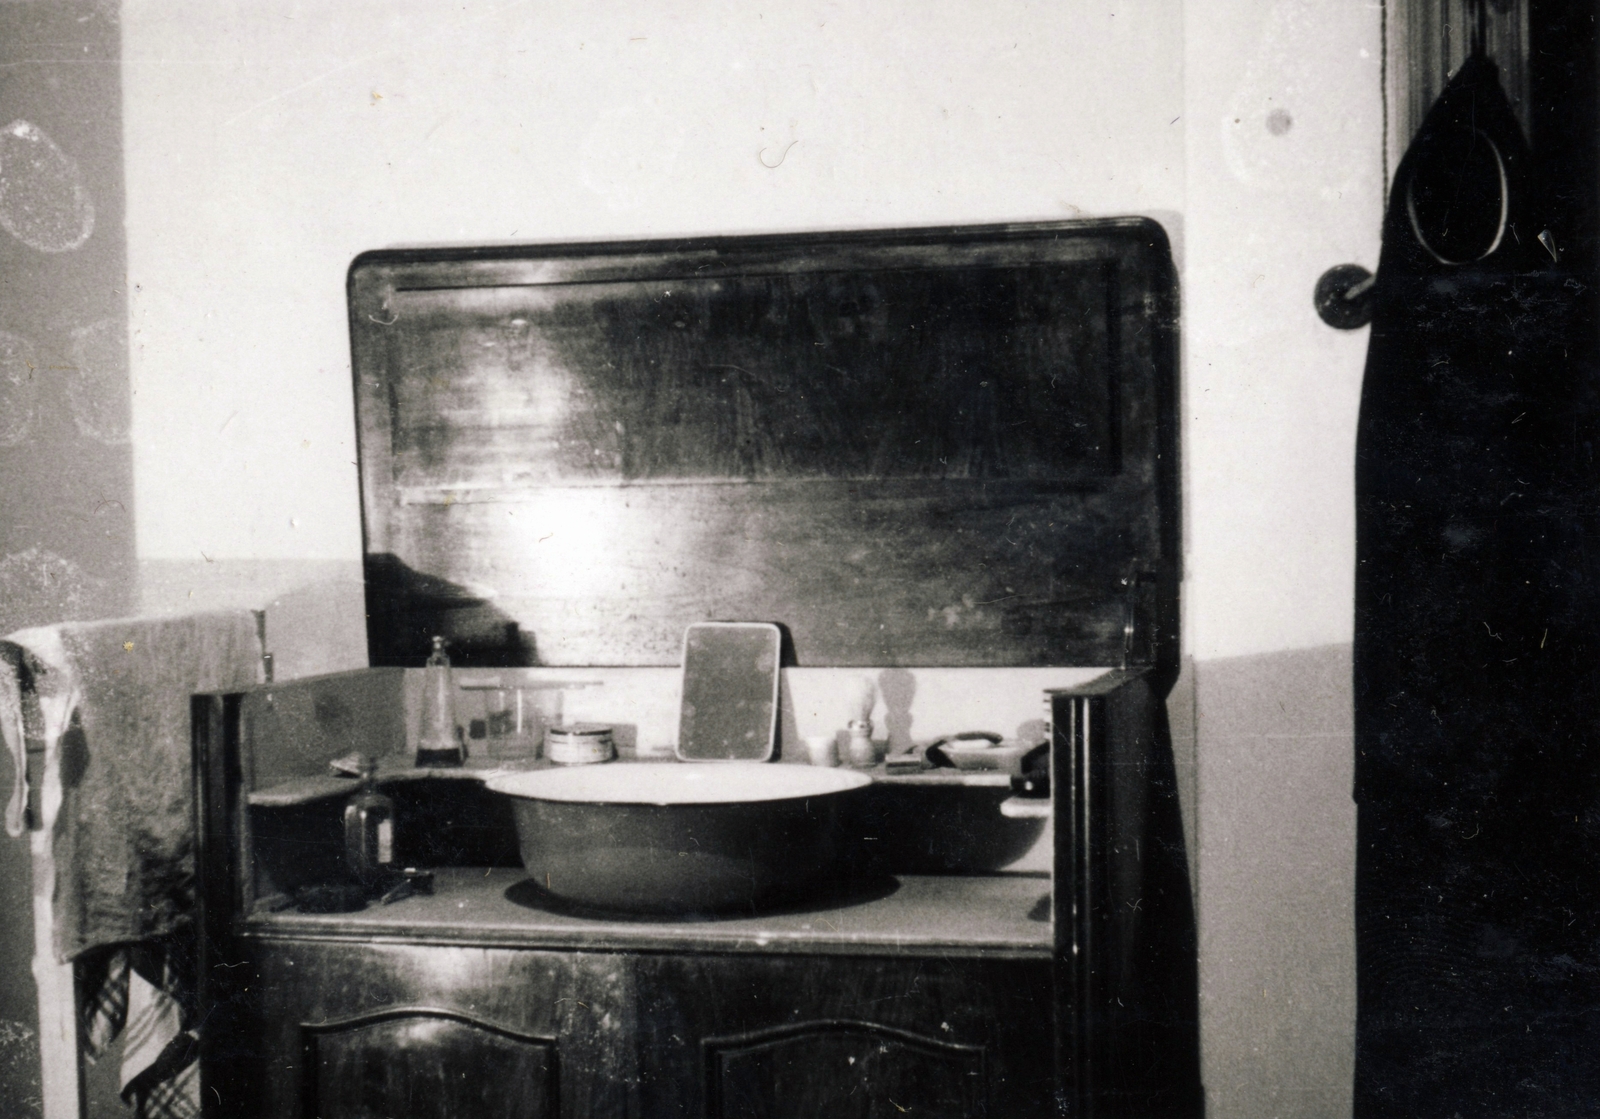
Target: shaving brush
863, 697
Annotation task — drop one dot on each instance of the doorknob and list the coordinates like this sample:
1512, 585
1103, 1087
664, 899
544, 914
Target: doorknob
1343, 297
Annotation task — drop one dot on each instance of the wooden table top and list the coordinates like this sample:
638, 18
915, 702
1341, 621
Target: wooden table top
992, 916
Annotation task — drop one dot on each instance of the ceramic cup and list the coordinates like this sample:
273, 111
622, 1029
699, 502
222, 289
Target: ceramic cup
823, 749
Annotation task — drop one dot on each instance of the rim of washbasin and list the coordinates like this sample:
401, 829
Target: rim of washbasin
566, 786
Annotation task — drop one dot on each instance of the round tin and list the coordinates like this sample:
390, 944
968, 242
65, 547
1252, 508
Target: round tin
579, 744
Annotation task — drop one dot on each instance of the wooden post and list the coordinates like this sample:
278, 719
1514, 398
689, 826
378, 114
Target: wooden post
62, 1073
59, 1048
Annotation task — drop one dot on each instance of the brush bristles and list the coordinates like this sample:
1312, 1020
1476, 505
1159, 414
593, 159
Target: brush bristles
863, 697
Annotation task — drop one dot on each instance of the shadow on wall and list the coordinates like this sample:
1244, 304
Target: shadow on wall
406, 608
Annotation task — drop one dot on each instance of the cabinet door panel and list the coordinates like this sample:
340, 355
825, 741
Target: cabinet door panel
845, 1070
842, 1037
307, 1014
427, 1064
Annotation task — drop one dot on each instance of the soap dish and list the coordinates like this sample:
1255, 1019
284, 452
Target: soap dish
975, 752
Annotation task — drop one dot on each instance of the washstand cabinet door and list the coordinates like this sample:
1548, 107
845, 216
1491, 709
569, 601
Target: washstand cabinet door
796, 1037
409, 1031
427, 1064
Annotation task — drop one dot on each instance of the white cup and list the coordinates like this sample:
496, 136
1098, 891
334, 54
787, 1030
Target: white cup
823, 749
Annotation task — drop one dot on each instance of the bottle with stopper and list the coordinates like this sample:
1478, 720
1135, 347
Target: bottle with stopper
440, 742
863, 696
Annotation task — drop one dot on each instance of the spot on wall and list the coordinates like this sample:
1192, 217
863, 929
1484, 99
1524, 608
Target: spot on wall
19, 369
1306, 143
97, 386
43, 200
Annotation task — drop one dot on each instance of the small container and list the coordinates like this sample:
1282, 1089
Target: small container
863, 751
823, 749
516, 712
369, 831
863, 697
439, 742
579, 744
511, 734
541, 710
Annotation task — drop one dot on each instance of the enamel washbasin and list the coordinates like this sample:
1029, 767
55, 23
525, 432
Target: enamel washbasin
682, 837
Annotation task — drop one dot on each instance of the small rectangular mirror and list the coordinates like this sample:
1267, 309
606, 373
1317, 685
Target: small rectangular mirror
729, 710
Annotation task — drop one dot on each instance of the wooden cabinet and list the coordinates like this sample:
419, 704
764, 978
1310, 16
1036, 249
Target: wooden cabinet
345, 1030
914, 994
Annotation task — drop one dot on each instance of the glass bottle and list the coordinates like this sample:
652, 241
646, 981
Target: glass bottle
440, 742
369, 831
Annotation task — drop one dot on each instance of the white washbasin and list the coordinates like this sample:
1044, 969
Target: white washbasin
681, 837
678, 783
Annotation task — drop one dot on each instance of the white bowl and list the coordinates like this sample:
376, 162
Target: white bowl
682, 837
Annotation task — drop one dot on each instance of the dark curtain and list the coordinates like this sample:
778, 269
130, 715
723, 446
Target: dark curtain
1476, 651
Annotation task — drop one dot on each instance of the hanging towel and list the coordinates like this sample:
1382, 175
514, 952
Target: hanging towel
29, 718
147, 994
107, 706
103, 980
110, 709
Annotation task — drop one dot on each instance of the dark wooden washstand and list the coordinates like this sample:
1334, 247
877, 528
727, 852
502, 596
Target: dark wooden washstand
948, 995
951, 448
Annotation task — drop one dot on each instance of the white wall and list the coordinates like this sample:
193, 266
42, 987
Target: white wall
1283, 155
270, 142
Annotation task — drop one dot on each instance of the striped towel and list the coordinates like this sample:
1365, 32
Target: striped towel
145, 994
106, 704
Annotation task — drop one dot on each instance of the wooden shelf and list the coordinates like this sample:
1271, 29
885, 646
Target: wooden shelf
989, 779
305, 790
994, 916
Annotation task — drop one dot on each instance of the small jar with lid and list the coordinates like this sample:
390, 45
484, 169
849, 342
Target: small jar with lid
579, 744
